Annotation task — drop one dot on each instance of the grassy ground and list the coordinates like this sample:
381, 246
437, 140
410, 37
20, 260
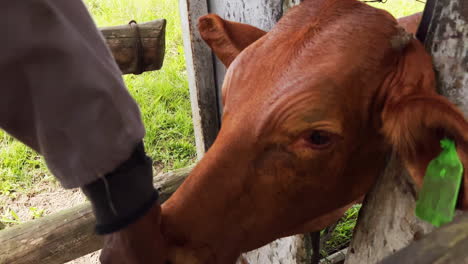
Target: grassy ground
163, 97
341, 235
164, 101
399, 8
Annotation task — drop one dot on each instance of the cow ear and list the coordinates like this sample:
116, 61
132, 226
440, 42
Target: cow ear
411, 23
415, 118
226, 38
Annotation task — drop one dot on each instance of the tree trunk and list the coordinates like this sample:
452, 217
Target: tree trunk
387, 222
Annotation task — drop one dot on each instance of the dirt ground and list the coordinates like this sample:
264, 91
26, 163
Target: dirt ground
51, 198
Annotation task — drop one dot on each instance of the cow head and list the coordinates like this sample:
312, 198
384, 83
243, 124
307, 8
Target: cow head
311, 109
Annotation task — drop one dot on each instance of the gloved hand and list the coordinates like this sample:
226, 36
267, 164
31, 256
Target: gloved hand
139, 243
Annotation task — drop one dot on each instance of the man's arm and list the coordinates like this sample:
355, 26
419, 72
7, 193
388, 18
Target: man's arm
63, 95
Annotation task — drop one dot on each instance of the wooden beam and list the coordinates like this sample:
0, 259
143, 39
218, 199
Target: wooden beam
67, 235
445, 245
201, 77
124, 43
291, 250
336, 258
387, 222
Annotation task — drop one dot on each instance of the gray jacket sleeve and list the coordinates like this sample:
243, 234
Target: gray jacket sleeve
62, 93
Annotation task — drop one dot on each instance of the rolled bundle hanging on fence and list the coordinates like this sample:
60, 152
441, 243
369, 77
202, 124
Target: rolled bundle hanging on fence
137, 47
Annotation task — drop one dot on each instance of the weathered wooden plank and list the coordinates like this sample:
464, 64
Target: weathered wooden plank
446, 245
336, 258
53, 239
447, 41
291, 250
201, 76
69, 234
387, 222
124, 42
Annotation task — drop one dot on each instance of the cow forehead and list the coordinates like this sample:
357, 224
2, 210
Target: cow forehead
333, 58
280, 83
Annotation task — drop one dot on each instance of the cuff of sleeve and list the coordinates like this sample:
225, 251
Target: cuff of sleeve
124, 195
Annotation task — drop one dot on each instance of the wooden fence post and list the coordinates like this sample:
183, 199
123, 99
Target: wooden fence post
201, 76
387, 222
446, 245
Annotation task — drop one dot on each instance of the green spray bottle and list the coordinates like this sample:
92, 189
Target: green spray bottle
442, 181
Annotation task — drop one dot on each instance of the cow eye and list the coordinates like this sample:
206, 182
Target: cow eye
319, 139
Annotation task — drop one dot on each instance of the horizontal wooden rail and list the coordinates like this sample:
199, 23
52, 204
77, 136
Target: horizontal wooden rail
335, 258
447, 244
137, 47
67, 235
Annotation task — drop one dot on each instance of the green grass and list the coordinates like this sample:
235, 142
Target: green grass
163, 97
342, 233
400, 8
20, 167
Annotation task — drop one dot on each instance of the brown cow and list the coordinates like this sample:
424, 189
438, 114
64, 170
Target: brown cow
311, 110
